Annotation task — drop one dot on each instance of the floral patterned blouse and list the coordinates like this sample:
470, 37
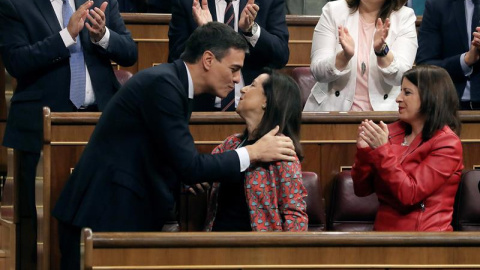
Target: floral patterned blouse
274, 191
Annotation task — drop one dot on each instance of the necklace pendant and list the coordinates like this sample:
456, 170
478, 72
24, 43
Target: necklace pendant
364, 68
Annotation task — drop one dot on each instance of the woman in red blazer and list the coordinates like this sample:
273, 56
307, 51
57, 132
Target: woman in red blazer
413, 165
271, 196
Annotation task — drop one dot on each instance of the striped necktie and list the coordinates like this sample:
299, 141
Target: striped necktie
77, 63
228, 103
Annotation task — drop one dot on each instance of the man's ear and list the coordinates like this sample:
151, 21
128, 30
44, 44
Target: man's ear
207, 59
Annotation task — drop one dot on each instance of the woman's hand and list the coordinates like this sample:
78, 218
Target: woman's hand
346, 41
381, 34
374, 135
361, 142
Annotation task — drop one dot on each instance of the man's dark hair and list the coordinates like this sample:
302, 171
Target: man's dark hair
284, 108
215, 37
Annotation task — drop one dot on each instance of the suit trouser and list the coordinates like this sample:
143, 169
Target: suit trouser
26, 231
69, 242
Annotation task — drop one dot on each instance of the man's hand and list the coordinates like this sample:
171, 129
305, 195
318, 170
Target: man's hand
96, 27
473, 55
201, 14
272, 148
248, 15
77, 21
198, 188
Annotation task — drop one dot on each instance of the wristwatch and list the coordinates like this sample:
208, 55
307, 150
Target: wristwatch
383, 51
252, 31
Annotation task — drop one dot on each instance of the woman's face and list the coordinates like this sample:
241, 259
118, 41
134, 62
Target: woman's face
409, 103
253, 100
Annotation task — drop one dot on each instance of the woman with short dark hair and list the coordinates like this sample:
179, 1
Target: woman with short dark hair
414, 165
360, 49
270, 196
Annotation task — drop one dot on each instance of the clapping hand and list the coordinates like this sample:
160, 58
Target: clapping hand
372, 134
201, 13
247, 18
381, 34
77, 20
346, 41
96, 24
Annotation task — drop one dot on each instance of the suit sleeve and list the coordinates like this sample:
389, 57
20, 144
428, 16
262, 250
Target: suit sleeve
20, 56
430, 43
444, 160
362, 173
178, 31
164, 112
121, 49
271, 48
291, 196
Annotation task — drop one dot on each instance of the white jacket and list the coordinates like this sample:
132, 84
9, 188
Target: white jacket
335, 90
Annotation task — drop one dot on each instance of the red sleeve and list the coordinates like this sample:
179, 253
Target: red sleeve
362, 173
443, 160
290, 196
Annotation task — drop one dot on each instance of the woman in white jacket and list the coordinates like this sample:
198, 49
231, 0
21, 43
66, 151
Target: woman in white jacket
360, 50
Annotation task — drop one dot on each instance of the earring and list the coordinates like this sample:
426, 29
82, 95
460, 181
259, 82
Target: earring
264, 106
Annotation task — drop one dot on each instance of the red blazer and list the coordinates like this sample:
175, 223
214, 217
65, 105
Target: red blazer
416, 184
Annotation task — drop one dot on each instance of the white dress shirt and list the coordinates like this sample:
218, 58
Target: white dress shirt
220, 8
68, 41
242, 152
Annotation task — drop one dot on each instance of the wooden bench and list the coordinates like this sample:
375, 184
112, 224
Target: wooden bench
310, 250
328, 140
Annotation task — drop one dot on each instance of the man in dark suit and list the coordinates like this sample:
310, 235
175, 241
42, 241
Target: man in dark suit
261, 23
446, 39
38, 41
142, 148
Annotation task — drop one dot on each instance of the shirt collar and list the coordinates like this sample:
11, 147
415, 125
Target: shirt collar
190, 82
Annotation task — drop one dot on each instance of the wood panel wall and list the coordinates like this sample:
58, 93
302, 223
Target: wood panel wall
310, 250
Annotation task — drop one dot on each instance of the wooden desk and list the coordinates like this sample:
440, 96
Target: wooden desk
279, 250
328, 140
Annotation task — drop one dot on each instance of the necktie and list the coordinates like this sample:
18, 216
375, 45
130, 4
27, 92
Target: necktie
229, 18
77, 63
476, 16
228, 103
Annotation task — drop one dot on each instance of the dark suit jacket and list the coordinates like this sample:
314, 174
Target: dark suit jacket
34, 53
442, 39
271, 49
138, 152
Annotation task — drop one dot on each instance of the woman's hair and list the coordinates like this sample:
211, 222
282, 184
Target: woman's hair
284, 108
388, 7
438, 97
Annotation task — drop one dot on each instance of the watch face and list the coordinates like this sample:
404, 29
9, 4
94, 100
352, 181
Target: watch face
386, 49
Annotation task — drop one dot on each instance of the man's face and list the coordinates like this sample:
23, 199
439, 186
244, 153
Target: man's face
224, 74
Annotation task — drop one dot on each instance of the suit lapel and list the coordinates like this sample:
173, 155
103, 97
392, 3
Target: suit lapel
49, 15
459, 14
213, 9
183, 77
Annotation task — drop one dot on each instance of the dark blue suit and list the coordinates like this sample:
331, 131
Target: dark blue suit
139, 152
442, 39
271, 49
35, 54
